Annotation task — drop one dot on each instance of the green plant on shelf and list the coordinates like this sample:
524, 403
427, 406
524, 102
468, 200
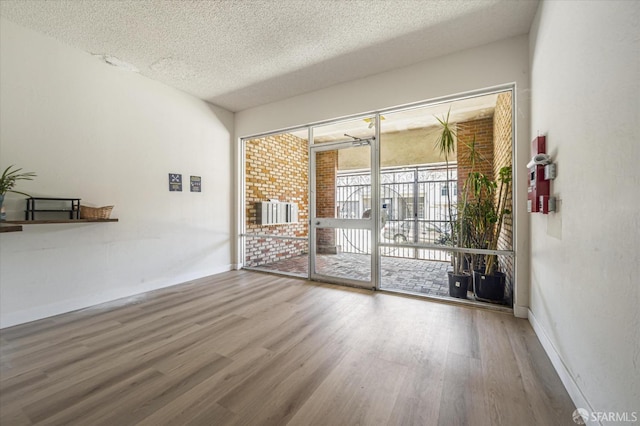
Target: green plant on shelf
10, 177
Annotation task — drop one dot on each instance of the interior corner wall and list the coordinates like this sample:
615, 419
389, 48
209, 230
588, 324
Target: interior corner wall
108, 136
585, 261
495, 64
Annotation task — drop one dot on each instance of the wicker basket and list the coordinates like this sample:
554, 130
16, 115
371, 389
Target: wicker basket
95, 212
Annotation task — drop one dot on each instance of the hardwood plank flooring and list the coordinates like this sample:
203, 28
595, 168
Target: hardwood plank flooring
245, 348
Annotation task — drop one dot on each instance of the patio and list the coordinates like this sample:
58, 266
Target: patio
397, 274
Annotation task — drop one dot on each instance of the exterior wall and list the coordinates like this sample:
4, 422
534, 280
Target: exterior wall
502, 156
494, 147
482, 129
276, 168
397, 149
326, 175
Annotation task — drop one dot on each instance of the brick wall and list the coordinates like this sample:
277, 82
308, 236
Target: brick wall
326, 173
483, 131
494, 145
502, 130
276, 168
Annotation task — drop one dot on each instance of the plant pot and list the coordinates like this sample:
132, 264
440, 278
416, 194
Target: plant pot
465, 263
3, 215
489, 288
458, 285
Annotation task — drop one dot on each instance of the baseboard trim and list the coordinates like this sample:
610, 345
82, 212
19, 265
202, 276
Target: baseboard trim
569, 383
70, 305
520, 311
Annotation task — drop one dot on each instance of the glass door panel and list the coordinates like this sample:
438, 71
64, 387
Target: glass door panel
341, 222
349, 259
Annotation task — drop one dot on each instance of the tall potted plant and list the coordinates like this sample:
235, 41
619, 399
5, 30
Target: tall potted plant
8, 181
477, 196
479, 213
489, 283
459, 279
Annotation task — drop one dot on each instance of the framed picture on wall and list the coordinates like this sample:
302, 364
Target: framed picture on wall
175, 182
196, 184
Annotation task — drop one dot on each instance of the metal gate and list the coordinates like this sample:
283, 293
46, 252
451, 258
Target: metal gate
414, 209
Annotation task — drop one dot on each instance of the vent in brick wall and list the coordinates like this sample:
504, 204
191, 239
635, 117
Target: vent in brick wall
275, 213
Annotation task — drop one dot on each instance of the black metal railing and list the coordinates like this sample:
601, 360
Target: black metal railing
414, 209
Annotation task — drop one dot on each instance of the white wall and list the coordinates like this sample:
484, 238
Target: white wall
108, 136
585, 271
491, 65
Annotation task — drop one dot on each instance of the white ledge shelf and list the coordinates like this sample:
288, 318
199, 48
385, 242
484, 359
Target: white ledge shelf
10, 228
49, 221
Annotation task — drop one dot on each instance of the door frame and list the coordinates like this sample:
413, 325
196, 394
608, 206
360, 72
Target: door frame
372, 224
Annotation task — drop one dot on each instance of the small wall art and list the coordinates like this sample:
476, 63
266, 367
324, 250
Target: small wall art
196, 184
175, 182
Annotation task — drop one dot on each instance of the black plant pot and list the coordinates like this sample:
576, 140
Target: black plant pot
489, 288
458, 285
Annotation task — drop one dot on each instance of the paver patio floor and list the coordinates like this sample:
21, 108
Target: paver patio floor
402, 274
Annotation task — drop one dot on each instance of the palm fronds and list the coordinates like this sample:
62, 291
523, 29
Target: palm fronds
11, 176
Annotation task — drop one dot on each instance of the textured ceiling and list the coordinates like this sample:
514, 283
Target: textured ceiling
242, 53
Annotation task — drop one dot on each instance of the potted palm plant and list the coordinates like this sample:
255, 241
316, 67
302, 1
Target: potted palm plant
8, 181
488, 281
477, 196
480, 191
459, 278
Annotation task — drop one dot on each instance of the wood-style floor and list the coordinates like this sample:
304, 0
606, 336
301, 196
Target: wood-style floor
256, 349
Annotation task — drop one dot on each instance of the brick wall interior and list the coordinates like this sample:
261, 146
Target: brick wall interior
326, 174
276, 168
503, 148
